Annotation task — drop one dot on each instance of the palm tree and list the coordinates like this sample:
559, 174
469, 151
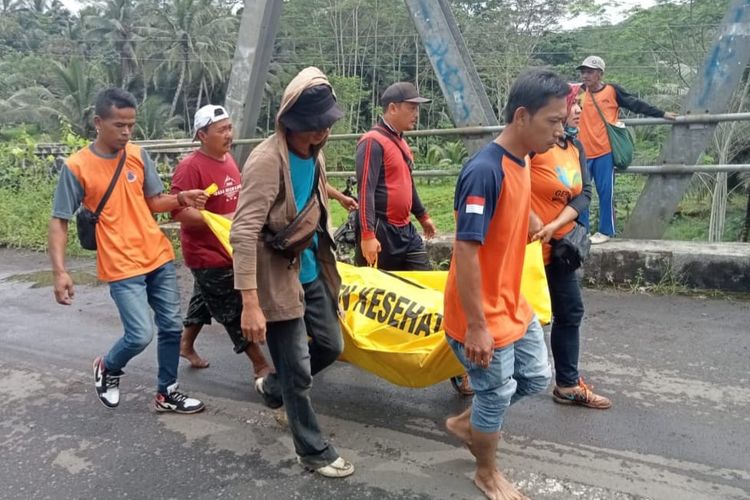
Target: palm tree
69, 100
151, 119
116, 23
9, 6
37, 6
198, 39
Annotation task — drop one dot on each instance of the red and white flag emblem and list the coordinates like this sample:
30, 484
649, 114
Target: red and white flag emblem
474, 205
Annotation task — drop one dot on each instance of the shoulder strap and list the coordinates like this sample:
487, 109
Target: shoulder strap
316, 179
112, 183
598, 108
314, 192
398, 144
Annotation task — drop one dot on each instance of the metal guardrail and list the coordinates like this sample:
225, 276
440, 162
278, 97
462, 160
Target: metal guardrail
685, 169
635, 169
691, 120
694, 120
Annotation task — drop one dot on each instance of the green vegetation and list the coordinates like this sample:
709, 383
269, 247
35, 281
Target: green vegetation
25, 205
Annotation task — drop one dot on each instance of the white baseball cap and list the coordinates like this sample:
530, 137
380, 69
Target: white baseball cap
593, 62
207, 115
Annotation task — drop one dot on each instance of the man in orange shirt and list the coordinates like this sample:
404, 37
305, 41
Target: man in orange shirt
593, 135
133, 255
489, 325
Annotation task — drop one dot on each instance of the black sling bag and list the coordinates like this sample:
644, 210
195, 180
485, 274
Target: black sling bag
86, 220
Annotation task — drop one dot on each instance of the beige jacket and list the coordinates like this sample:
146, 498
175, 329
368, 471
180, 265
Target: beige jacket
267, 198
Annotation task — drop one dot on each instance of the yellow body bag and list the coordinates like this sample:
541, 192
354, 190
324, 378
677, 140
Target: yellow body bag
392, 321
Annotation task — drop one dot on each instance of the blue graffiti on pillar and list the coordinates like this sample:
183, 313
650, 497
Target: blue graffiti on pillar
451, 77
718, 67
449, 74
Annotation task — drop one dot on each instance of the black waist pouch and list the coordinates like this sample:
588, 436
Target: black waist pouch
86, 225
86, 220
570, 252
298, 234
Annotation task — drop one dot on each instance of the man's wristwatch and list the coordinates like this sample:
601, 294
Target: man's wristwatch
181, 199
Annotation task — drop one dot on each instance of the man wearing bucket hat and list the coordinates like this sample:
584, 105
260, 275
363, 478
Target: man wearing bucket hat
593, 135
290, 293
387, 194
214, 295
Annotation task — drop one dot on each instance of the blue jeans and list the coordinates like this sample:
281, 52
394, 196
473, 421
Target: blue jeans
602, 170
134, 298
516, 370
296, 361
567, 313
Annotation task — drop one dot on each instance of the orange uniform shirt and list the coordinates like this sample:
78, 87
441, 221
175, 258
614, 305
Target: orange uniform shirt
556, 178
128, 238
592, 131
492, 204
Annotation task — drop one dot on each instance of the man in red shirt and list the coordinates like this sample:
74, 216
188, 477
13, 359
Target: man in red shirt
214, 294
387, 194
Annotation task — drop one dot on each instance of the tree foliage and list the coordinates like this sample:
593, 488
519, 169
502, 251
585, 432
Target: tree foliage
180, 53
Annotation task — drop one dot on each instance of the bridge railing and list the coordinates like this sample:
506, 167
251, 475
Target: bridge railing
180, 146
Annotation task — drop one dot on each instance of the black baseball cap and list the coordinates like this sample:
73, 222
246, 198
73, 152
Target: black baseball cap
401, 92
315, 109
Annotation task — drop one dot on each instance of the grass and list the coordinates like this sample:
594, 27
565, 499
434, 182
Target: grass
669, 285
25, 213
436, 195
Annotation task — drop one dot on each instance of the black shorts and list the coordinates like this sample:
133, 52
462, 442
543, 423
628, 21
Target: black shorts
401, 248
214, 296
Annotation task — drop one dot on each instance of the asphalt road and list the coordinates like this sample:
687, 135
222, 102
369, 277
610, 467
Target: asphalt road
676, 368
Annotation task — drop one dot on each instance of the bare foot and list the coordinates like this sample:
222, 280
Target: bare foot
488, 486
506, 489
195, 360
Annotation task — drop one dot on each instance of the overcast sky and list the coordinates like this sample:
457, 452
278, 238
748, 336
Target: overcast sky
613, 14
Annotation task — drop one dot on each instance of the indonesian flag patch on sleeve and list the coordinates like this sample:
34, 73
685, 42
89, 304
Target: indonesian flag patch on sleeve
475, 205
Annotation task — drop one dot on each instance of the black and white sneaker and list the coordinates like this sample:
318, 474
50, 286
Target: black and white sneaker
270, 401
177, 402
107, 385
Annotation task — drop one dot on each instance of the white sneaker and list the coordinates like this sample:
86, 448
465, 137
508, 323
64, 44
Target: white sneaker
337, 468
107, 385
177, 402
599, 238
